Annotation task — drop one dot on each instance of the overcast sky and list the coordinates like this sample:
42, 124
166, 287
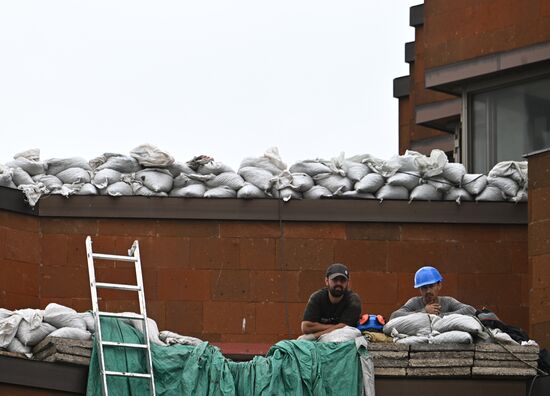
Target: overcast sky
226, 78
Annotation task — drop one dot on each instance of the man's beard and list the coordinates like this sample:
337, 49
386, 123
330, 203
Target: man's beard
337, 291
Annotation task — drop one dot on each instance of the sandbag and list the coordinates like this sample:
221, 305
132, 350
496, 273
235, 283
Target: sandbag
183, 180
356, 195
440, 183
56, 165
148, 155
474, 183
157, 180
520, 197
409, 180
215, 168
51, 182
271, 161
507, 185
8, 329
452, 337
118, 162
392, 192
5, 177
30, 154
33, 192
333, 182
140, 189
432, 165
88, 318
61, 316
454, 172
152, 329
317, 192
33, 168
414, 324
340, 335
250, 191
309, 167
229, 179
490, 194
72, 333
19, 177
458, 195
302, 181
257, 176
118, 189
177, 168
370, 183
5, 313
515, 170
460, 322
425, 192
74, 175
16, 346
220, 192
285, 194
355, 171
31, 337
412, 340
191, 191
86, 189
105, 177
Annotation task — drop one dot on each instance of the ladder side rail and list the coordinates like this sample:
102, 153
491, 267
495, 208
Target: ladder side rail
141, 295
97, 321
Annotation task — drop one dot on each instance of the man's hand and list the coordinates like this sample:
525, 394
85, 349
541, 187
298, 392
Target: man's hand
433, 308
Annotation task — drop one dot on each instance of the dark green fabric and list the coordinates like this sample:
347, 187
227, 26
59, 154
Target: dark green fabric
290, 367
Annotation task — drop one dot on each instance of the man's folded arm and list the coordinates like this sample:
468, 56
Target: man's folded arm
410, 307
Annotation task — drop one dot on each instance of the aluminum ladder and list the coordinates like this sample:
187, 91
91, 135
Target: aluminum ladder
133, 257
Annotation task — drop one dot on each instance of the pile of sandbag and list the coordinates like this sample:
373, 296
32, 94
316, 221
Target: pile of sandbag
149, 171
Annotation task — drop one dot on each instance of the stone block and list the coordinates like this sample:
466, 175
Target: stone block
504, 371
390, 371
499, 348
64, 358
443, 355
389, 354
439, 371
387, 346
441, 347
505, 356
52, 345
382, 362
464, 362
502, 363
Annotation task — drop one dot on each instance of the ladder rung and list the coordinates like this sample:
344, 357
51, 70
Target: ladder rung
123, 344
121, 315
113, 257
123, 374
117, 286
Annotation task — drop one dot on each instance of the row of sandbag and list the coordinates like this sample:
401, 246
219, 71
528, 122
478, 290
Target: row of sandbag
149, 171
422, 328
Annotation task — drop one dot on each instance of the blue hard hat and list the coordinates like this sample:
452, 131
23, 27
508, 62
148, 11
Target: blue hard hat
426, 276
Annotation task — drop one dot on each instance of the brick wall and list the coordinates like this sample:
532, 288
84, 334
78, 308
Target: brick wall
539, 247
203, 277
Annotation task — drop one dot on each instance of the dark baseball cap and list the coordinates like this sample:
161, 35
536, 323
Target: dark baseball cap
337, 269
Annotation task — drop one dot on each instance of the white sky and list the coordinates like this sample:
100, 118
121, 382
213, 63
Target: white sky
226, 78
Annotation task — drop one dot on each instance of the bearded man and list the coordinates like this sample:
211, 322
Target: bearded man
332, 307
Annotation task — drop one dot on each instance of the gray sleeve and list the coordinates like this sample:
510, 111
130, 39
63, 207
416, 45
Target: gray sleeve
414, 305
453, 306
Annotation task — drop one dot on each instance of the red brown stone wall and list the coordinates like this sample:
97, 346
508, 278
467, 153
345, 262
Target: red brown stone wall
203, 277
539, 247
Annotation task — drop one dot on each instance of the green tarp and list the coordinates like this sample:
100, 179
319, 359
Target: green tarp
290, 367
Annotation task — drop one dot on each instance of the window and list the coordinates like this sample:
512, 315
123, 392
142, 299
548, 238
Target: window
508, 122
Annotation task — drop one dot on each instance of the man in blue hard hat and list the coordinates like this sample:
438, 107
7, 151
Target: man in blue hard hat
428, 281
332, 307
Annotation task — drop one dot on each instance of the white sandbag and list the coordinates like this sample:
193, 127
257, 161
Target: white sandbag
51, 182
31, 337
425, 192
61, 316
370, 183
118, 162
452, 337
507, 185
317, 192
30, 154
16, 346
191, 191
56, 165
88, 318
440, 183
257, 176
19, 177
250, 191
412, 340
105, 177
491, 194
310, 167
502, 337
152, 329
67, 189
72, 333
74, 175
458, 195
432, 165
454, 172
356, 195
333, 182
172, 338
178, 168
33, 192
220, 192
33, 317
414, 324
460, 322
184, 180
5, 313
8, 329
229, 179
474, 183
33, 168
302, 181
148, 155
286, 194
156, 180
271, 161
355, 171
520, 197
515, 170
118, 189
215, 168
341, 335
392, 192
140, 189
409, 180
5, 177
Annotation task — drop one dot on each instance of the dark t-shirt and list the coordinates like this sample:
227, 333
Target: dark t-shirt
319, 308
